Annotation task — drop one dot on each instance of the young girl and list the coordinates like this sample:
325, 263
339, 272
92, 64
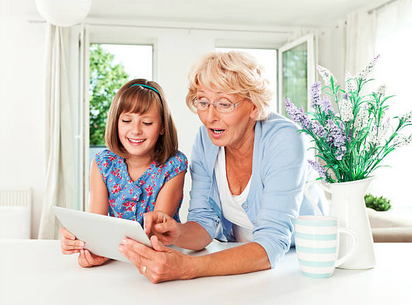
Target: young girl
141, 171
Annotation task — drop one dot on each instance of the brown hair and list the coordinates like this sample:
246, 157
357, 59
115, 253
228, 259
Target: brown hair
231, 73
139, 99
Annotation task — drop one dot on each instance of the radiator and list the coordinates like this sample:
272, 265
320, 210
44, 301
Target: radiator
15, 213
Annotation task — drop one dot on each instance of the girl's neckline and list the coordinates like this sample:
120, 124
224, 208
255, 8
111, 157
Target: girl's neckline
145, 173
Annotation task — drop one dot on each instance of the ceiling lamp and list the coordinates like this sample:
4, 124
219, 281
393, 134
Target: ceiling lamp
64, 12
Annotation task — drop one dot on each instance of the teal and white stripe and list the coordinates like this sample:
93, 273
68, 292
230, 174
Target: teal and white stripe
316, 246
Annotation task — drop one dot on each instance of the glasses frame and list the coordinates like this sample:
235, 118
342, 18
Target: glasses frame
233, 105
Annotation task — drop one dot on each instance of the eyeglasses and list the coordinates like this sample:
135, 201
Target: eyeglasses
203, 104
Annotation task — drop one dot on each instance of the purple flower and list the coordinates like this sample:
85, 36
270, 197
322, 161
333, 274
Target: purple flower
340, 152
327, 106
320, 169
315, 94
318, 129
337, 138
297, 115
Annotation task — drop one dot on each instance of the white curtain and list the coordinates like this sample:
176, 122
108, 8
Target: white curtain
360, 41
393, 42
59, 190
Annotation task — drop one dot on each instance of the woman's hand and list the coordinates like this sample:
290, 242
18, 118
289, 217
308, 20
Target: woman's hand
87, 259
164, 227
159, 264
69, 244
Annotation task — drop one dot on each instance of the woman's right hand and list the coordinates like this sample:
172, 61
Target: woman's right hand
69, 244
166, 229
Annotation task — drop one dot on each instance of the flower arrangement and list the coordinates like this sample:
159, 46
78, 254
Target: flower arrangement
353, 139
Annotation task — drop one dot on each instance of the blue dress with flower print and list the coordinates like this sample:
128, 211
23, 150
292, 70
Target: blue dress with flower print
129, 199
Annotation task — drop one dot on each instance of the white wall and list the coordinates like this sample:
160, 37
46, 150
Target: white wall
21, 106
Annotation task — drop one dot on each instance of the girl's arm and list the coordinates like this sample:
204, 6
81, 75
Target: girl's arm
99, 204
99, 197
170, 195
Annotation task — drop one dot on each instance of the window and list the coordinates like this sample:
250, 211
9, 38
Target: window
296, 72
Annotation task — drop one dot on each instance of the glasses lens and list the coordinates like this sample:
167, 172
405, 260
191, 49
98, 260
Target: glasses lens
201, 104
224, 106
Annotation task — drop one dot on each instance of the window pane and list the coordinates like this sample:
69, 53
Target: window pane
267, 59
295, 75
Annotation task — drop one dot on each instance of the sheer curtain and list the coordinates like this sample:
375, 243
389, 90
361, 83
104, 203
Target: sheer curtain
360, 41
60, 136
393, 42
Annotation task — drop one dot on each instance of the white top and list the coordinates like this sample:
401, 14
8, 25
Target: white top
232, 205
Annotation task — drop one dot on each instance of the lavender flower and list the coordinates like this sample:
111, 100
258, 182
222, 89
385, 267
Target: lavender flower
353, 141
336, 138
350, 86
340, 152
368, 69
407, 118
318, 129
319, 168
315, 94
381, 91
325, 74
346, 109
401, 140
362, 120
327, 106
377, 134
297, 115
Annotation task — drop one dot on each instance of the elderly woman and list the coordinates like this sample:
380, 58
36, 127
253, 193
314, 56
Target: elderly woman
248, 172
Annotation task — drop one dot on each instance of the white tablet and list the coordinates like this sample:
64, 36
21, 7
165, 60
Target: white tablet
102, 234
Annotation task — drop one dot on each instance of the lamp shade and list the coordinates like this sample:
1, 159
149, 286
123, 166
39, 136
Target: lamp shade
64, 12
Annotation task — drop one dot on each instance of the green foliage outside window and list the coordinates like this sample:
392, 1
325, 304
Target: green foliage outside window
106, 78
295, 75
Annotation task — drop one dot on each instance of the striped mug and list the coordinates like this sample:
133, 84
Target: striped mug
317, 245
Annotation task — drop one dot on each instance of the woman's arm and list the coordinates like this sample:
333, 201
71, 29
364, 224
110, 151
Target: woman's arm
162, 264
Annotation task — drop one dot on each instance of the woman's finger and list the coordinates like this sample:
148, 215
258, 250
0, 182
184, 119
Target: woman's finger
82, 259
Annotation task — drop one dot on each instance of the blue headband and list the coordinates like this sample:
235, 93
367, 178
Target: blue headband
146, 86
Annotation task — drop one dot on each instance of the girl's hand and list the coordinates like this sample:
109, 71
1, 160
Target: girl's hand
164, 227
159, 264
69, 244
87, 259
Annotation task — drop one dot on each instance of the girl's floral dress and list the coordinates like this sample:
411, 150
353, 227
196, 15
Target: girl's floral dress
129, 199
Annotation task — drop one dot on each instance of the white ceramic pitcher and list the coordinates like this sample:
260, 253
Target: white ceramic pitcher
348, 206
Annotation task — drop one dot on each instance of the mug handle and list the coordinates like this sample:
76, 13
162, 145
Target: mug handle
309, 197
354, 245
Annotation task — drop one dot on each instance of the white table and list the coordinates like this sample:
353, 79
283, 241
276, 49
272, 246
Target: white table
35, 272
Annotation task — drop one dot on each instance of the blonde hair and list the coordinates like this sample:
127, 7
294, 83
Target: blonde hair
231, 73
139, 99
